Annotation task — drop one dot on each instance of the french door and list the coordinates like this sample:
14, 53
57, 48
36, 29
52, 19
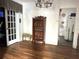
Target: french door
11, 27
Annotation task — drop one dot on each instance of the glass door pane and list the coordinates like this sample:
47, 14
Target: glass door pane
11, 22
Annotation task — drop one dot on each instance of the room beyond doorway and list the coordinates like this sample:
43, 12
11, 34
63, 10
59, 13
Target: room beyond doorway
66, 26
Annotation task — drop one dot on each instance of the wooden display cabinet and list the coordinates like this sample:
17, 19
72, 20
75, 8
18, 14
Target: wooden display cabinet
39, 24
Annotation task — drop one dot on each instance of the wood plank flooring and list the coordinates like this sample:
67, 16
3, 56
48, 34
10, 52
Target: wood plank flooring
28, 50
63, 42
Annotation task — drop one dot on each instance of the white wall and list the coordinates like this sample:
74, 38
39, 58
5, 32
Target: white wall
69, 3
76, 30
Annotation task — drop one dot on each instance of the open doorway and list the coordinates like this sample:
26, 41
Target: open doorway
66, 26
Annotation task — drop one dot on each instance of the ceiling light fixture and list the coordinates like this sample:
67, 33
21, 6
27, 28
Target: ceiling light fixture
44, 3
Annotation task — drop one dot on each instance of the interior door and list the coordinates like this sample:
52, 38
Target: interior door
11, 27
19, 26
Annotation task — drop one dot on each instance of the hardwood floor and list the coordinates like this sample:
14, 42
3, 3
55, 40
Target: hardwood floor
63, 42
28, 50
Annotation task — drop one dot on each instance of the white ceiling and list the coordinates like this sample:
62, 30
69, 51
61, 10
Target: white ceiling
23, 1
